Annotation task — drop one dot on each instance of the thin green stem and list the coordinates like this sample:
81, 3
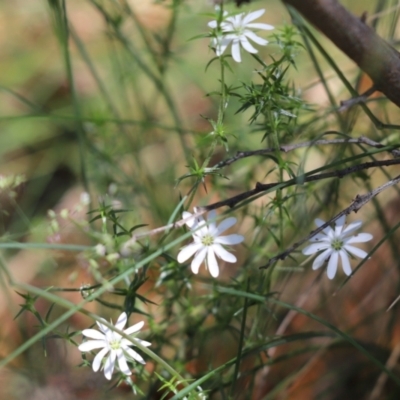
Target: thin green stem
75, 102
222, 105
241, 341
157, 81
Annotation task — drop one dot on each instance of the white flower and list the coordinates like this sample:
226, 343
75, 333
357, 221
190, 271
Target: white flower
113, 343
208, 242
235, 30
334, 243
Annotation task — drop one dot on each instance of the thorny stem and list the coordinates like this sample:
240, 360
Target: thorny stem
259, 188
308, 177
286, 148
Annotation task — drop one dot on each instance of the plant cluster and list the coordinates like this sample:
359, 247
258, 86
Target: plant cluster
270, 194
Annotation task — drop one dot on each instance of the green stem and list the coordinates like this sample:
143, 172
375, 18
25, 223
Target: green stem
222, 106
78, 125
276, 145
241, 341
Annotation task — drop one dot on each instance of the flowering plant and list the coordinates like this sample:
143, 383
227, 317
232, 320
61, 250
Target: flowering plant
112, 343
208, 242
237, 30
335, 243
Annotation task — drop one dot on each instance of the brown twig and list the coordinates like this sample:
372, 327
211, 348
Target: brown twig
260, 187
355, 205
346, 104
286, 148
357, 40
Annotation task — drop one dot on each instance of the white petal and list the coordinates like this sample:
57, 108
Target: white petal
142, 342
332, 265
97, 360
202, 230
92, 345
134, 355
351, 228
190, 221
320, 260
212, 215
123, 366
252, 16
229, 239
134, 328
319, 237
235, 22
360, 238
188, 251
236, 50
212, 24
225, 224
222, 45
212, 263
315, 248
339, 225
247, 45
355, 251
328, 230
266, 27
121, 322
109, 365
198, 259
345, 262
125, 343
112, 335
93, 334
257, 39
222, 253
104, 328
227, 27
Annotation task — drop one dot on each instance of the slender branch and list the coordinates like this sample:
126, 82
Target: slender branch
346, 104
259, 187
355, 205
357, 40
361, 140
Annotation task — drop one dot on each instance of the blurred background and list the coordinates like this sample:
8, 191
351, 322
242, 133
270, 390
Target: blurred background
119, 115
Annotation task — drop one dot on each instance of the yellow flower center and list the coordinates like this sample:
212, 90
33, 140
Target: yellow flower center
337, 244
207, 240
115, 344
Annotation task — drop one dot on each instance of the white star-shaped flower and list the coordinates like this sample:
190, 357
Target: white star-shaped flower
334, 243
235, 30
208, 242
113, 344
